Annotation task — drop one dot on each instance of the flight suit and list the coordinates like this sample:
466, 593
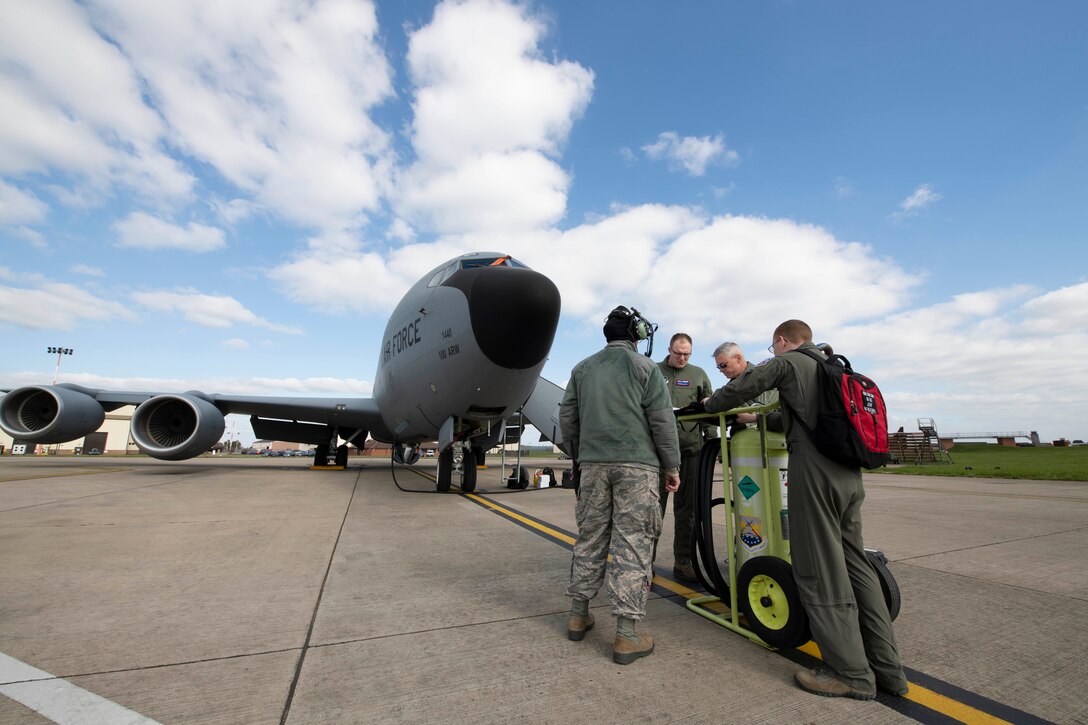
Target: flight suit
618, 423
836, 583
686, 385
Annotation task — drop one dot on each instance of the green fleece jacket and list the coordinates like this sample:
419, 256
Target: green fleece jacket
616, 409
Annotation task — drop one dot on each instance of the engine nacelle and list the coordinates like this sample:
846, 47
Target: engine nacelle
49, 414
176, 427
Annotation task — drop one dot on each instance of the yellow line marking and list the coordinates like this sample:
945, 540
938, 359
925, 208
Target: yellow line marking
61, 474
528, 522
947, 706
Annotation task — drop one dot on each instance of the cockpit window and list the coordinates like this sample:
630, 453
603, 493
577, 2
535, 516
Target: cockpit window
442, 275
504, 261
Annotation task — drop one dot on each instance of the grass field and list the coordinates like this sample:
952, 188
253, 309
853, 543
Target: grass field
981, 460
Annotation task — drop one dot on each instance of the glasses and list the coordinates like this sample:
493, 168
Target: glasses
679, 354
770, 348
722, 366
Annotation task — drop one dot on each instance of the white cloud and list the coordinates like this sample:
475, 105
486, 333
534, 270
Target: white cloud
86, 270
335, 276
235, 343
401, 230
233, 211
55, 306
490, 113
274, 96
207, 310
844, 188
20, 207
72, 102
143, 231
919, 199
1002, 359
690, 153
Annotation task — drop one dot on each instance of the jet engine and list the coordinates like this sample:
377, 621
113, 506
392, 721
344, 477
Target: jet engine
176, 427
49, 413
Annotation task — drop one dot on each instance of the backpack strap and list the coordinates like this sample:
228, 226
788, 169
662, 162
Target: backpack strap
821, 357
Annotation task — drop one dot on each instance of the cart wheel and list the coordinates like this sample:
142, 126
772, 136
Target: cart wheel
769, 600
888, 584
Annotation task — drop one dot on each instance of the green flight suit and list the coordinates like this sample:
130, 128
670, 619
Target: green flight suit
838, 586
686, 385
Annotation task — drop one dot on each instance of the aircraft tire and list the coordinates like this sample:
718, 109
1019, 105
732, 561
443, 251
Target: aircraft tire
479, 454
888, 585
468, 466
445, 471
768, 597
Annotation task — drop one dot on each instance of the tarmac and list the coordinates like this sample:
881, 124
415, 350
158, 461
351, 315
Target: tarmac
248, 590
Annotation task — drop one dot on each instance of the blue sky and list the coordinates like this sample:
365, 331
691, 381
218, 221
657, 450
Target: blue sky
231, 196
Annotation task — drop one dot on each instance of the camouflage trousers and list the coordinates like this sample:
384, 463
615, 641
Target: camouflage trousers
618, 512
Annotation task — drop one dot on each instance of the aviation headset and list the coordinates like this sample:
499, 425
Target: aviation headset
638, 327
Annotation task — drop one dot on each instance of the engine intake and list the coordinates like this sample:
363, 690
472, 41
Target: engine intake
50, 414
176, 427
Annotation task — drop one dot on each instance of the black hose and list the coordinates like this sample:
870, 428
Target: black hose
393, 471
702, 534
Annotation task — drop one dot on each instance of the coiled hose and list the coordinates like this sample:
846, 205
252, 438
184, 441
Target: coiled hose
702, 532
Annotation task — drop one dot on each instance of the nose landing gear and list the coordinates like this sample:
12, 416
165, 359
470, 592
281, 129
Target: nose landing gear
456, 464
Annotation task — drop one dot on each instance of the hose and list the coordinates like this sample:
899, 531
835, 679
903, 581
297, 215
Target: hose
702, 533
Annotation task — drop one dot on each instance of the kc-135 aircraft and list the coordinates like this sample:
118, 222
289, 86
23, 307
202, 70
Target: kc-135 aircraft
461, 354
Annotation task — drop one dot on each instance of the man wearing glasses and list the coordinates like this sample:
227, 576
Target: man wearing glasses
835, 580
730, 360
687, 384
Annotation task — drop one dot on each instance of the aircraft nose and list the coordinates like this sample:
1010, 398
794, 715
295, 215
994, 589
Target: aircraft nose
514, 313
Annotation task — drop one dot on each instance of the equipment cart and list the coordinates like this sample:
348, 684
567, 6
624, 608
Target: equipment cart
755, 594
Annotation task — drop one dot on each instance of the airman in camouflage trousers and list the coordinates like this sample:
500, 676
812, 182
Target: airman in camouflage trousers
618, 508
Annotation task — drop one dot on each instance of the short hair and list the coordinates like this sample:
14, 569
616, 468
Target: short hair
795, 331
680, 336
729, 349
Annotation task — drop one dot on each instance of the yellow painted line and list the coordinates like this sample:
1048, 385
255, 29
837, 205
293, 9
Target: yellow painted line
947, 706
928, 698
61, 474
517, 517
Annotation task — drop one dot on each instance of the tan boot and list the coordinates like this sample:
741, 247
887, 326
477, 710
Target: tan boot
685, 573
577, 626
822, 682
625, 651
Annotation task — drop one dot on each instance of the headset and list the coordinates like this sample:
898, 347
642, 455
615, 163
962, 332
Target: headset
638, 327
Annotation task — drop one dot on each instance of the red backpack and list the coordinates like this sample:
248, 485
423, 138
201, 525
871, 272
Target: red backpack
852, 420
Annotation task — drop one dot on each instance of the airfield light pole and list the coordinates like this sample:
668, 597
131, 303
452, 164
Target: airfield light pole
60, 352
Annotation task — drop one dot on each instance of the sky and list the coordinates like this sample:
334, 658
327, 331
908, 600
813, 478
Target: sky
232, 195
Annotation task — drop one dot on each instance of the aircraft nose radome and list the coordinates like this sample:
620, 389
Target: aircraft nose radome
514, 313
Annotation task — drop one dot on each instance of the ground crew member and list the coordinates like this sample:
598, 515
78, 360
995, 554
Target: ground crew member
837, 585
687, 384
618, 423
730, 360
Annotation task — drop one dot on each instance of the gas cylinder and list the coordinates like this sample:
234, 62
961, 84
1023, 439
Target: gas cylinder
762, 527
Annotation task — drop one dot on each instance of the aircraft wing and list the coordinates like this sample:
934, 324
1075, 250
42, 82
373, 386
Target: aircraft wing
542, 410
175, 426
